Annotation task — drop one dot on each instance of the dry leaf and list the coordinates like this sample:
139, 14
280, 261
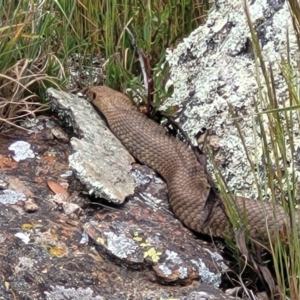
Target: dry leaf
57, 188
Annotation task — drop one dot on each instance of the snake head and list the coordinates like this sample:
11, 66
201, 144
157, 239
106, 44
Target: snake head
99, 93
91, 94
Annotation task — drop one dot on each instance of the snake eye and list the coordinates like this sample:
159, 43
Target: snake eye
92, 95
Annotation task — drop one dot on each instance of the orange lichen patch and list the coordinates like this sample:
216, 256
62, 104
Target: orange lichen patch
7, 163
49, 158
51, 164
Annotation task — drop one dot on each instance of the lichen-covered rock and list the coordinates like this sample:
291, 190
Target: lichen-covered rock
144, 233
45, 255
214, 67
137, 234
99, 160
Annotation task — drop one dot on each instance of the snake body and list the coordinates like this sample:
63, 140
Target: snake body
187, 181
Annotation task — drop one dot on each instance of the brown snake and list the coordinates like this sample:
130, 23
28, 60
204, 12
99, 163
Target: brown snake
186, 179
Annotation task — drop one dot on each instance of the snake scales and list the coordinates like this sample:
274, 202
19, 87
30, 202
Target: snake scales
187, 181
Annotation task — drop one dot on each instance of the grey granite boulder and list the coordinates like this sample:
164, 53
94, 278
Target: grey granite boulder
215, 67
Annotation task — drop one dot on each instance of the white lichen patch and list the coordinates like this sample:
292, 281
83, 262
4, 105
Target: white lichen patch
152, 200
183, 272
11, 197
62, 293
154, 239
214, 67
206, 275
84, 238
24, 264
173, 256
217, 258
165, 269
140, 178
120, 245
22, 150
24, 236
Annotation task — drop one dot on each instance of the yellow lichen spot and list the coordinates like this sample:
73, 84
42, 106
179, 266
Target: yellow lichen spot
137, 237
145, 244
100, 240
152, 254
27, 226
57, 251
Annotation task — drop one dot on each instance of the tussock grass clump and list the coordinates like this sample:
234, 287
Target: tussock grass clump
37, 39
27, 63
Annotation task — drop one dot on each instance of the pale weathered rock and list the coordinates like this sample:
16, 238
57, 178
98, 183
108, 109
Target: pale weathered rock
214, 66
99, 160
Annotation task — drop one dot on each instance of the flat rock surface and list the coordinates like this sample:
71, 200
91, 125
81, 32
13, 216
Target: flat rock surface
56, 246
